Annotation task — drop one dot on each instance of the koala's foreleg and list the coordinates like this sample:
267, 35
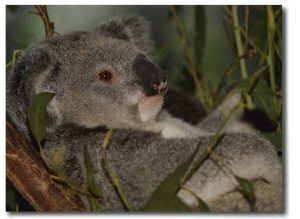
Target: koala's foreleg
171, 127
235, 123
176, 128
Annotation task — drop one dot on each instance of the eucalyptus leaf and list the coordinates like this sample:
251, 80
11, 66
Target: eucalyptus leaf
278, 48
164, 198
11, 199
258, 30
202, 205
36, 114
248, 189
255, 87
247, 185
94, 205
94, 187
275, 138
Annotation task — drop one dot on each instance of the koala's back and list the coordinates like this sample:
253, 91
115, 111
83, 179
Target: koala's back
142, 160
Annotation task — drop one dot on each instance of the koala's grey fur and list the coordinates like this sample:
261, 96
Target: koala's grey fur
148, 142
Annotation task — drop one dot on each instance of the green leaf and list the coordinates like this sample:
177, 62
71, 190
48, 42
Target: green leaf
94, 187
94, 205
11, 199
200, 28
278, 48
202, 205
258, 30
164, 198
247, 185
255, 87
166, 203
275, 138
36, 114
248, 189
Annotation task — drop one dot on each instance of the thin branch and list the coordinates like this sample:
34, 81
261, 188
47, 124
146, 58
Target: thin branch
190, 63
43, 13
239, 44
240, 48
246, 28
210, 147
110, 172
14, 58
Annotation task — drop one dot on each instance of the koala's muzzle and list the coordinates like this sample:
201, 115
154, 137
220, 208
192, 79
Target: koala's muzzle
151, 77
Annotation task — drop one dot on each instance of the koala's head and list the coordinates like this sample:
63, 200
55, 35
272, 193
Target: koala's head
104, 77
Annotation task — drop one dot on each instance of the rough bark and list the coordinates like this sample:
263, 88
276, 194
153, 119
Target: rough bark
28, 173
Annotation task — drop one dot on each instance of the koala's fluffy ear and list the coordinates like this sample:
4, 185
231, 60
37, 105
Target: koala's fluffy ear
131, 28
34, 68
28, 78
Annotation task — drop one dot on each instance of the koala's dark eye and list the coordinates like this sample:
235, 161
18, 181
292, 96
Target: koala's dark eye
105, 76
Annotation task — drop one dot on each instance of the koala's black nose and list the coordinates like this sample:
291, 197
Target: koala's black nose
150, 76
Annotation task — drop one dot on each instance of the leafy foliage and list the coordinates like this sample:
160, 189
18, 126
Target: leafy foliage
164, 198
36, 114
248, 189
259, 64
259, 82
94, 187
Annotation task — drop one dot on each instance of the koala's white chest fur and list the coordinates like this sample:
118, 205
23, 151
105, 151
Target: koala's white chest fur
154, 119
149, 107
171, 127
175, 128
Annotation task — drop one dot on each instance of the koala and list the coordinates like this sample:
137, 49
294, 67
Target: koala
106, 78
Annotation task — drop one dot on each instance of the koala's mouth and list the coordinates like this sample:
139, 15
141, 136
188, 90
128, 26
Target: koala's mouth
149, 107
149, 100
152, 89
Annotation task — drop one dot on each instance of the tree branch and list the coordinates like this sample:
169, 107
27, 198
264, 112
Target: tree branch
26, 170
43, 13
25, 167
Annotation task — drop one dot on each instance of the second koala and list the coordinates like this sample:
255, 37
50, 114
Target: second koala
106, 78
